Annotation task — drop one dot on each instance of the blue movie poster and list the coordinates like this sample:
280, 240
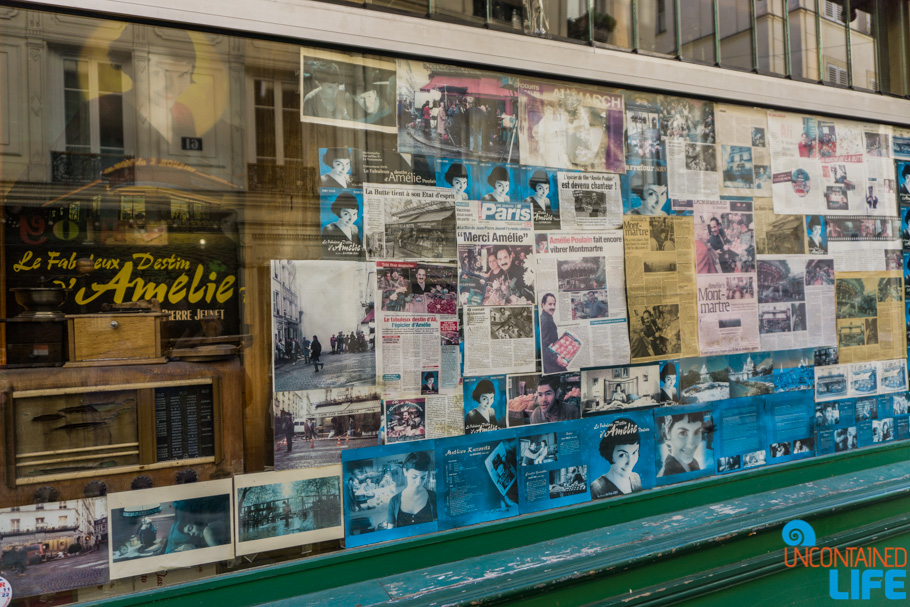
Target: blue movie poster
458, 175
484, 403
794, 370
901, 407
790, 426
685, 447
751, 374
620, 451
903, 179
739, 437
478, 478
836, 429
539, 188
389, 492
339, 168
552, 466
498, 182
341, 223
705, 379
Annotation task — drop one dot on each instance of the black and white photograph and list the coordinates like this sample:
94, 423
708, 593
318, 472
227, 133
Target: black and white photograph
589, 204
585, 274
663, 233
654, 331
820, 272
779, 281
780, 449
54, 546
738, 171
538, 449
703, 157
845, 439
283, 509
826, 414
511, 323
589, 304
758, 137
658, 264
322, 324
568, 481
616, 388
417, 228
167, 527
313, 427
756, 458
346, 90
728, 464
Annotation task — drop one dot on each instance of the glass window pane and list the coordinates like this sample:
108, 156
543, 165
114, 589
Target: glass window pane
862, 41
77, 119
463, 10
110, 78
290, 97
735, 33
892, 21
613, 22
265, 133
293, 144
803, 41
770, 37
264, 93
697, 30
657, 26
418, 7
75, 74
111, 121
834, 44
508, 13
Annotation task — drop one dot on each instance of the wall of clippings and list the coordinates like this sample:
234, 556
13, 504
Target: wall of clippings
368, 298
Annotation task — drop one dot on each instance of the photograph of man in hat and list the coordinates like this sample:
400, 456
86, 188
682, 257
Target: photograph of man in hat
458, 179
500, 182
339, 160
346, 208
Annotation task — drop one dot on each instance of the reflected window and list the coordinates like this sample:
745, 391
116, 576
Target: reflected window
656, 26
697, 30
93, 107
276, 120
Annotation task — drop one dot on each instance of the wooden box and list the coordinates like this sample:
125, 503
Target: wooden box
115, 339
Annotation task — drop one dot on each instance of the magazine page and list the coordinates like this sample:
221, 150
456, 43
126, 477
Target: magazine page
552, 467
743, 154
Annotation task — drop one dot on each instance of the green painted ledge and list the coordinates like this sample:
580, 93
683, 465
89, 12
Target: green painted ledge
815, 489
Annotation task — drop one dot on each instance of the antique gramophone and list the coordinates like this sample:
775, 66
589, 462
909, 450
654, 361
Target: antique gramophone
37, 336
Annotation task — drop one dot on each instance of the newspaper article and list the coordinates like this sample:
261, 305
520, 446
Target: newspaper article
415, 417
499, 339
743, 155
796, 302
590, 201
408, 222
570, 127
777, 234
725, 259
415, 299
495, 253
795, 167
691, 169
582, 299
660, 284
870, 316
865, 255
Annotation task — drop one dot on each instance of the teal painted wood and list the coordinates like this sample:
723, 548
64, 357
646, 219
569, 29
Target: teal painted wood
336, 570
521, 574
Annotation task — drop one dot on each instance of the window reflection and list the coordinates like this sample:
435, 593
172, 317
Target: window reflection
697, 30
735, 33
657, 26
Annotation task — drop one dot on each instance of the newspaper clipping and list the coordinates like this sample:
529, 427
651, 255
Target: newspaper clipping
796, 302
408, 222
691, 169
590, 201
495, 253
581, 293
499, 339
660, 282
870, 316
415, 300
777, 234
742, 150
571, 127
725, 256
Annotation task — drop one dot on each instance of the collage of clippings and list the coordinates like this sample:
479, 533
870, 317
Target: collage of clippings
548, 294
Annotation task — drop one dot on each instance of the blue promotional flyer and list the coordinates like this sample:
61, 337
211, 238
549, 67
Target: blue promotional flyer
478, 478
790, 426
389, 492
620, 449
836, 429
738, 440
685, 447
484, 403
552, 468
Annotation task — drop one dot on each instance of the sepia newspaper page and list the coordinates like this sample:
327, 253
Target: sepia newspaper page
660, 284
870, 316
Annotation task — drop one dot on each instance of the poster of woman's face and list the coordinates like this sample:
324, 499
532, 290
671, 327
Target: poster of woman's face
389, 492
685, 450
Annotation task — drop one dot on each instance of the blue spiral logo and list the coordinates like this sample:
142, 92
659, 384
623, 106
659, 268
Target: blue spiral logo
799, 533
